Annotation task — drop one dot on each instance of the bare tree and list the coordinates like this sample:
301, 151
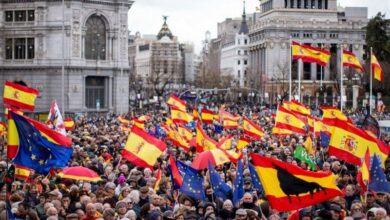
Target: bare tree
282, 78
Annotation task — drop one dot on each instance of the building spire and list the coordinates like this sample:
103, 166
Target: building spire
244, 27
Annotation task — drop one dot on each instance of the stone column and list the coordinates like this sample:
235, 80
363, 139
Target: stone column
355, 94
110, 90
325, 95
317, 96
343, 94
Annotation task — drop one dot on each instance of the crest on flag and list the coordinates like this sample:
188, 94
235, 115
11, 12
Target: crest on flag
349, 143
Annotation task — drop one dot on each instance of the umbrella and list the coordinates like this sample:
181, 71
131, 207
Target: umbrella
215, 156
79, 173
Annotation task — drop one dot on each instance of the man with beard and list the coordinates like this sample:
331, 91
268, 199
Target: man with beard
248, 203
210, 197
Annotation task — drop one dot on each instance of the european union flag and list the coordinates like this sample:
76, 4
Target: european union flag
221, 189
192, 184
35, 151
325, 138
255, 178
183, 167
378, 181
238, 192
218, 129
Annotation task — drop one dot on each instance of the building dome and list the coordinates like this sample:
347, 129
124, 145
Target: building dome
165, 30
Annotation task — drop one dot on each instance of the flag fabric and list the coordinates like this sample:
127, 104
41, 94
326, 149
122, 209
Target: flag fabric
19, 96
175, 101
289, 187
185, 132
158, 180
349, 59
371, 125
203, 141
325, 139
216, 157
365, 168
217, 129
329, 113
221, 189
12, 138
54, 119
301, 154
226, 143
224, 115
195, 114
177, 178
310, 54
319, 127
178, 140
378, 181
233, 155
138, 123
376, 68
349, 143
238, 192
288, 120
21, 172
123, 120
308, 144
193, 184
251, 129
207, 116
69, 124
229, 124
255, 177
3, 128
37, 152
179, 116
281, 131
142, 149
242, 142
296, 107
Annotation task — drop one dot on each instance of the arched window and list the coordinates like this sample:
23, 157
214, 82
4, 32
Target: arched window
95, 38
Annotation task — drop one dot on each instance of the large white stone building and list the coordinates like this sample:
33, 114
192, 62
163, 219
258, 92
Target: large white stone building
92, 48
235, 56
319, 23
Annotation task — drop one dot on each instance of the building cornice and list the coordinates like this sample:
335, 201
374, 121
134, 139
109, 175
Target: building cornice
127, 3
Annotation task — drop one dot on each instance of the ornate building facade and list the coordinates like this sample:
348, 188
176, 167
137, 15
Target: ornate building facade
88, 38
319, 23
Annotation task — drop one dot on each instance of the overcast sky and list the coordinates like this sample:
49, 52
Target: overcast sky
190, 19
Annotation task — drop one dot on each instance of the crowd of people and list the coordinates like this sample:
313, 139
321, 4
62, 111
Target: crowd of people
128, 192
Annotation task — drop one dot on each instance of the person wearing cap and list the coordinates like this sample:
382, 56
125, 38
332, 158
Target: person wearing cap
248, 203
227, 210
247, 184
370, 201
335, 210
144, 196
382, 200
121, 209
121, 184
168, 215
241, 214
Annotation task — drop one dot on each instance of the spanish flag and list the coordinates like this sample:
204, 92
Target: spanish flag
251, 129
233, 155
69, 124
195, 114
142, 149
22, 172
19, 96
139, 124
176, 176
289, 187
308, 144
207, 116
122, 120
319, 127
226, 143
242, 142
229, 124
158, 180
329, 113
204, 142
286, 119
185, 132
224, 115
376, 68
363, 176
310, 54
349, 143
3, 128
281, 131
175, 101
179, 116
350, 60
296, 107
178, 140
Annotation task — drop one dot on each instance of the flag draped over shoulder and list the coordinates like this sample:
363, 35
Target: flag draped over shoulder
378, 180
288, 187
221, 189
142, 149
238, 192
19, 96
35, 150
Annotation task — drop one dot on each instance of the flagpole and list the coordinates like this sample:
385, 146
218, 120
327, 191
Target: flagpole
63, 61
341, 80
300, 64
370, 99
290, 74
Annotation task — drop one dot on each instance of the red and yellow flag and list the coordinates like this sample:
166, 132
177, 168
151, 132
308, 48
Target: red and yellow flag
207, 116
175, 101
288, 187
296, 107
158, 180
308, 145
122, 120
251, 129
224, 115
138, 123
178, 140
19, 96
226, 143
363, 176
350, 60
329, 113
204, 142
376, 68
288, 120
229, 124
21, 172
310, 54
195, 114
186, 133
3, 128
242, 142
142, 149
179, 116
69, 124
281, 131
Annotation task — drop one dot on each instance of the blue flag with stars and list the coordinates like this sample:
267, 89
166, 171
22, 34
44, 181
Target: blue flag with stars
325, 139
378, 181
192, 184
238, 192
255, 178
221, 189
35, 151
